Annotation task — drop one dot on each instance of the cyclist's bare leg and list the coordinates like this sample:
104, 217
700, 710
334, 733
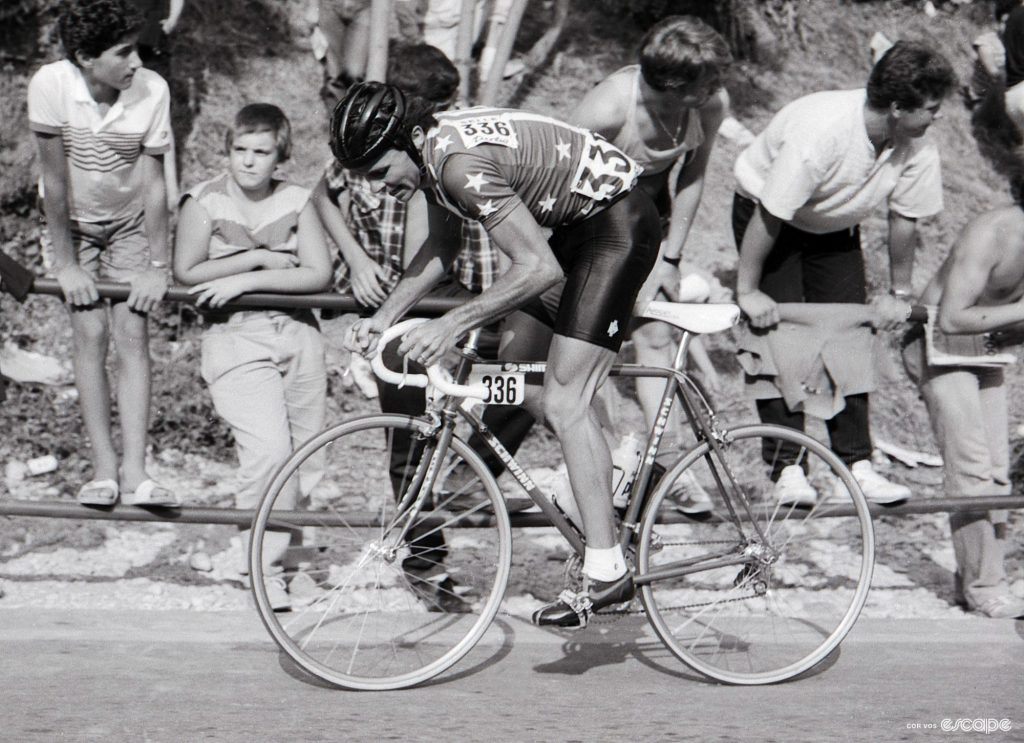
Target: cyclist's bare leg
575, 371
525, 338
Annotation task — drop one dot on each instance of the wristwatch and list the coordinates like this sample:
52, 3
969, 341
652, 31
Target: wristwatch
672, 261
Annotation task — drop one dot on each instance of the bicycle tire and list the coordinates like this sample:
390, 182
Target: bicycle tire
377, 611
799, 591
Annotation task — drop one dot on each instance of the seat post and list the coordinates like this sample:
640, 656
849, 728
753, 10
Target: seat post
681, 353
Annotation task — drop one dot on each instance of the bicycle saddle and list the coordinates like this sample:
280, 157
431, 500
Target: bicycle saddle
696, 318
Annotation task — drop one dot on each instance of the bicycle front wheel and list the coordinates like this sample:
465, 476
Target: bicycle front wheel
389, 585
763, 595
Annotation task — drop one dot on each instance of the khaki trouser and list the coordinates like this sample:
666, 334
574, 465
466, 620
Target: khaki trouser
967, 406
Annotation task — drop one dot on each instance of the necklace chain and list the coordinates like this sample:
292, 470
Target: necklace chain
656, 117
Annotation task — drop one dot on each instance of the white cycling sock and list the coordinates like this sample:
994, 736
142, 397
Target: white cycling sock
604, 564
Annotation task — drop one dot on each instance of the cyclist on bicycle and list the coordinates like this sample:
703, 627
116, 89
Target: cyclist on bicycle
519, 173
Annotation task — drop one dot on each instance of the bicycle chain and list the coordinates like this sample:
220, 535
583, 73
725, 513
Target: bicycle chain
614, 615
607, 617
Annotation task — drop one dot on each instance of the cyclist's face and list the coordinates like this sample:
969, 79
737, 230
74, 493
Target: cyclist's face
395, 173
253, 159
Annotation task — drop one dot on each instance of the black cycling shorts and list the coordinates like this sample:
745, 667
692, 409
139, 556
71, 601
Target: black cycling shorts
606, 259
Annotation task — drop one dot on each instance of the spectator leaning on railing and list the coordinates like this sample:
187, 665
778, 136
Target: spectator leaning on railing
102, 124
378, 234
978, 290
248, 231
15, 280
823, 164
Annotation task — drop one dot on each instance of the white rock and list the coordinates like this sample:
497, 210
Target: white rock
200, 561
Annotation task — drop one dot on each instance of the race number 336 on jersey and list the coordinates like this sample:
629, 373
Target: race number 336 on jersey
482, 162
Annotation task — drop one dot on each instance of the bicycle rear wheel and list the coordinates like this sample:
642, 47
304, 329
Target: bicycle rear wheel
381, 598
763, 597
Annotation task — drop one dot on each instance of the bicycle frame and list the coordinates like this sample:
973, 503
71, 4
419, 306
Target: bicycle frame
678, 385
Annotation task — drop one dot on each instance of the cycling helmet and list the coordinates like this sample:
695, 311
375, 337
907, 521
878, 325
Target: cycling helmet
369, 121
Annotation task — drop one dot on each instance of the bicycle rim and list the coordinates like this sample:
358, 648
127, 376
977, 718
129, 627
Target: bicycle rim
379, 599
786, 599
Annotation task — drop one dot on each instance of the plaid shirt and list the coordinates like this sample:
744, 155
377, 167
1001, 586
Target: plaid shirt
378, 223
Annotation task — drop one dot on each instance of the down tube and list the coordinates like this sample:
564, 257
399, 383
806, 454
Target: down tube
553, 513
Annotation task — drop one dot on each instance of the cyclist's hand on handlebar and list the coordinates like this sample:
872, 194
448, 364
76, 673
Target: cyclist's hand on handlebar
363, 335
760, 309
428, 343
890, 313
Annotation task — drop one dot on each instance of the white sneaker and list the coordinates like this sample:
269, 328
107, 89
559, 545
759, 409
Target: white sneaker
690, 496
303, 590
876, 488
792, 488
277, 594
1003, 606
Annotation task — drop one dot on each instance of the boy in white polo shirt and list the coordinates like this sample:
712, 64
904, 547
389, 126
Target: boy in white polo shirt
823, 164
102, 125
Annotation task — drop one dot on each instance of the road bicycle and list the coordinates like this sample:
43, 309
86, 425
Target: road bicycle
404, 567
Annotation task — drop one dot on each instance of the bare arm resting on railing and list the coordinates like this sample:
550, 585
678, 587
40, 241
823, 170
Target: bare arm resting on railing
981, 284
219, 280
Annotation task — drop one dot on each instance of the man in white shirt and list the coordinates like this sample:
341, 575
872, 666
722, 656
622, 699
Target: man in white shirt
823, 164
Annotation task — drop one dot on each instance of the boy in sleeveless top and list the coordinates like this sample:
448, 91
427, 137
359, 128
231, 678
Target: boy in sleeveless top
248, 231
664, 113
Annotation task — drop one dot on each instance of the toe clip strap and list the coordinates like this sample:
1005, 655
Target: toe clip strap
579, 603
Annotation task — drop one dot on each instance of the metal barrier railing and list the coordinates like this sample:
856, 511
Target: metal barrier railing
428, 307
243, 517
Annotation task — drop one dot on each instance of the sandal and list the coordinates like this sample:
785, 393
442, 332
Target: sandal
151, 493
99, 493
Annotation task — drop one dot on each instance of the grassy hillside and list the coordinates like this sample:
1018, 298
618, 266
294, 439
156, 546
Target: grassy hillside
244, 50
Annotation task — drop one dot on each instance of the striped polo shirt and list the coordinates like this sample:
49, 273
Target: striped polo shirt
102, 148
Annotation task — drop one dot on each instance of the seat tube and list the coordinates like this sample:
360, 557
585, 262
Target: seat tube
683, 351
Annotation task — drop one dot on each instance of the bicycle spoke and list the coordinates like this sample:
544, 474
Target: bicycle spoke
393, 595
803, 580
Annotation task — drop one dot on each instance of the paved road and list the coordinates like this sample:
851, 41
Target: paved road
190, 676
